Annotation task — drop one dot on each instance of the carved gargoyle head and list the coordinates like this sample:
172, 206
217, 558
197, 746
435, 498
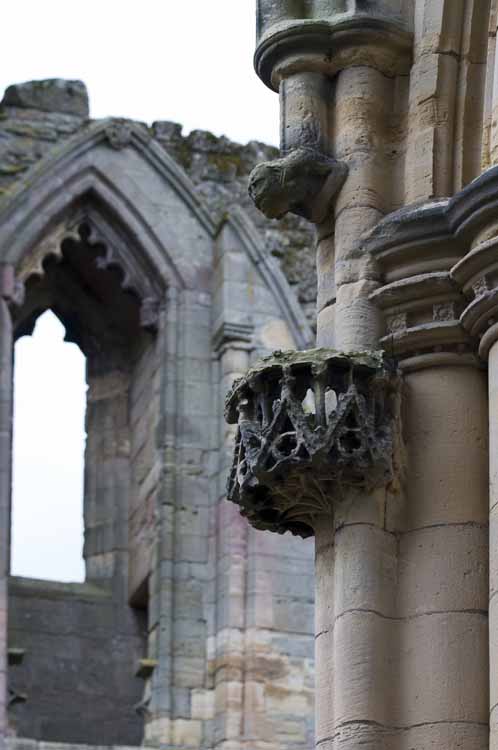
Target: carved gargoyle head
265, 189
303, 182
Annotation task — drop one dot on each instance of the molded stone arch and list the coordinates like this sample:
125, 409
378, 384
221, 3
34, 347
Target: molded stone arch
115, 185
127, 176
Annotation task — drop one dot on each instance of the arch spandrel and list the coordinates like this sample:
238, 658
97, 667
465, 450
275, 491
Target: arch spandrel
277, 300
133, 183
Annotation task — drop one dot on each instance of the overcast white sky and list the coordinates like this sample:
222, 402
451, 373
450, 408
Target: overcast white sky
184, 60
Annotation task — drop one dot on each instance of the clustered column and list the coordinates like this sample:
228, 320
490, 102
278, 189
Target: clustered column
401, 554
477, 275
10, 293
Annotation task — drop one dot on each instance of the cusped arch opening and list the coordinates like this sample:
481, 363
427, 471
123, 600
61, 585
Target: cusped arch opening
89, 271
48, 455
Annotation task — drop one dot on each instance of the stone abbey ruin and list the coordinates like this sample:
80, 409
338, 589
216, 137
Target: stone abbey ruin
291, 469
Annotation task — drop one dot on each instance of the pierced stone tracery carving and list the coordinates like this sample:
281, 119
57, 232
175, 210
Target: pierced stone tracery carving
309, 423
110, 253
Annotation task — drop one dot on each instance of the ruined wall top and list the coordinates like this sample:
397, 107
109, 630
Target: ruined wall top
38, 117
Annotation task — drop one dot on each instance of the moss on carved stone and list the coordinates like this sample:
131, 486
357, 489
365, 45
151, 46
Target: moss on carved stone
312, 358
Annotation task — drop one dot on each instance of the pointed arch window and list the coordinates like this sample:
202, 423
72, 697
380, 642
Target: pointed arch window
48, 455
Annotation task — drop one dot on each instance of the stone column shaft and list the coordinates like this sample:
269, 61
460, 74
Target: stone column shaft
442, 567
493, 144
159, 726
232, 535
493, 544
322, 475
361, 121
6, 376
355, 627
304, 106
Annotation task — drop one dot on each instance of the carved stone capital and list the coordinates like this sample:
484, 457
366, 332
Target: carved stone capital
422, 320
290, 41
310, 424
303, 182
477, 276
438, 263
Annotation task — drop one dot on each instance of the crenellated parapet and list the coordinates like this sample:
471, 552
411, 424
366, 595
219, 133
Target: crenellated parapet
310, 425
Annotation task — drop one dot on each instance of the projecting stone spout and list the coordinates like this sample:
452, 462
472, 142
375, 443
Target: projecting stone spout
309, 424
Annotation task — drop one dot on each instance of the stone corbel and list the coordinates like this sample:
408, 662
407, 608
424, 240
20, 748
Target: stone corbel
299, 51
304, 183
311, 424
229, 334
422, 320
119, 133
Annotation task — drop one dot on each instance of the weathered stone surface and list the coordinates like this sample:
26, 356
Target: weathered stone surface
310, 423
405, 95
52, 95
304, 183
218, 167
148, 248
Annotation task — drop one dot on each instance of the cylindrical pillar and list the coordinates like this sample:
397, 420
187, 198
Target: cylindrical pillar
493, 137
493, 544
442, 532
356, 628
362, 110
231, 533
5, 489
304, 103
401, 584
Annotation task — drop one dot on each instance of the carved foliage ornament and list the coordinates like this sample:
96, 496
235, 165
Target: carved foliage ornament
309, 424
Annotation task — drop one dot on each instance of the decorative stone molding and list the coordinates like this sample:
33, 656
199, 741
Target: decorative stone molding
228, 333
11, 288
303, 182
119, 134
422, 317
438, 262
114, 253
328, 43
477, 276
309, 424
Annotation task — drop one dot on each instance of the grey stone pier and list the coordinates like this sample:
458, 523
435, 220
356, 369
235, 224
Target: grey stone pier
399, 99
